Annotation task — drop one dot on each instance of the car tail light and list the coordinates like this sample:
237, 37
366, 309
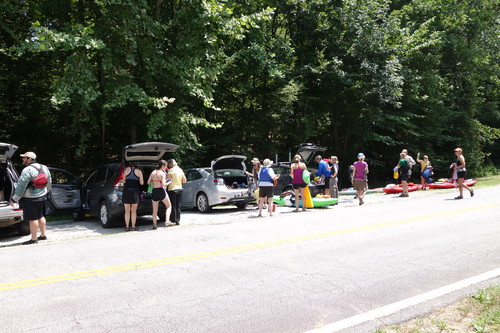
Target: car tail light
17, 210
218, 181
120, 176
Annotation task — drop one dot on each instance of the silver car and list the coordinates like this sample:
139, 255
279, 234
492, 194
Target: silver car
224, 183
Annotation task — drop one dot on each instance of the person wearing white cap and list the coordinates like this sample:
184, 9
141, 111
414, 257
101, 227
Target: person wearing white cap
358, 175
34, 184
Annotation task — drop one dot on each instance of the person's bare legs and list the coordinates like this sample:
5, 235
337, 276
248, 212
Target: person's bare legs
297, 191
302, 189
360, 197
42, 225
168, 205
133, 214
33, 229
155, 212
261, 204
127, 215
270, 205
461, 187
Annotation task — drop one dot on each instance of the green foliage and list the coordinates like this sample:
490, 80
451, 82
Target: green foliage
253, 77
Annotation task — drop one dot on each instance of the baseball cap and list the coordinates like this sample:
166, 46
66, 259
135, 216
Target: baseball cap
29, 154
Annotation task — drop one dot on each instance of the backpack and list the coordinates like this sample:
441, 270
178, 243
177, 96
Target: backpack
41, 180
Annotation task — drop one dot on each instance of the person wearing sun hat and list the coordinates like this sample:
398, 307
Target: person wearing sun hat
255, 171
461, 172
359, 173
266, 188
31, 197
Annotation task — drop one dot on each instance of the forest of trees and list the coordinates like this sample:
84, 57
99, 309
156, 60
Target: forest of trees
80, 79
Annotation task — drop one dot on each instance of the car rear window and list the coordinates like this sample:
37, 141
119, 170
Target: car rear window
229, 173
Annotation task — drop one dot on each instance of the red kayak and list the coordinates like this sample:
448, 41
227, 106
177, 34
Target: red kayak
469, 182
399, 188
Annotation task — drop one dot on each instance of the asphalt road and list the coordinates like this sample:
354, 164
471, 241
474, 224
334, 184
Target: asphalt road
230, 271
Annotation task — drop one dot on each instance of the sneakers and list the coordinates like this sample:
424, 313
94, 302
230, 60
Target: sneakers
42, 238
471, 193
459, 197
31, 241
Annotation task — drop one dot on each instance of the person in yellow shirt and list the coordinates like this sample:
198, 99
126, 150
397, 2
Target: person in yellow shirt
174, 189
425, 171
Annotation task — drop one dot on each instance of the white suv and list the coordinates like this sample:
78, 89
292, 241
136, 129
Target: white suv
10, 215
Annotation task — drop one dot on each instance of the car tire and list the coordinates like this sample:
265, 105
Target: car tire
241, 205
23, 228
107, 220
202, 203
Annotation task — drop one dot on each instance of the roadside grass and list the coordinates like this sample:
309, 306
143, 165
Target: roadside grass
58, 217
478, 313
488, 181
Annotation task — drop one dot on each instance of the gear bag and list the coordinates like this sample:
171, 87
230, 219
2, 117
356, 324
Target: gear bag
41, 180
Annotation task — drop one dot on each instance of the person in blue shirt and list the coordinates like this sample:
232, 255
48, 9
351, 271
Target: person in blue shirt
323, 173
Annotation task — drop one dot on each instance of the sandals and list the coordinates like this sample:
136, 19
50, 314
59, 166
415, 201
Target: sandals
127, 229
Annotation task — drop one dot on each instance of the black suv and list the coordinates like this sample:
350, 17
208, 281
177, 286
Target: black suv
101, 191
307, 151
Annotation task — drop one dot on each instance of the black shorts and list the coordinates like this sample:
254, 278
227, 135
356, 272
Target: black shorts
297, 186
461, 174
159, 194
130, 196
265, 191
33, 209
405, 176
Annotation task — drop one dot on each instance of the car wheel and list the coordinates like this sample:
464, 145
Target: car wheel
107, 220
202, 203
242, 205
23, 228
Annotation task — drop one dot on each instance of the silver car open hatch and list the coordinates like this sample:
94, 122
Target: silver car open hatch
147, 151
229, 162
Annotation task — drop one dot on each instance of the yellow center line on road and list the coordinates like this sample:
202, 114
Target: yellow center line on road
221, 252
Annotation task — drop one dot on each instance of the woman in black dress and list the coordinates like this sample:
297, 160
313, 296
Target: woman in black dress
133, 179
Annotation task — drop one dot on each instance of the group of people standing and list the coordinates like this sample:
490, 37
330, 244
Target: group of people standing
166, 182
168, 177
265, 178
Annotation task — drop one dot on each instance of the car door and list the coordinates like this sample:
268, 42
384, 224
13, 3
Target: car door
191, 187
65, 193
284, 181
95, 187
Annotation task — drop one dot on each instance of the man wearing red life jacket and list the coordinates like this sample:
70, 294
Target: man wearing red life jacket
35, 182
